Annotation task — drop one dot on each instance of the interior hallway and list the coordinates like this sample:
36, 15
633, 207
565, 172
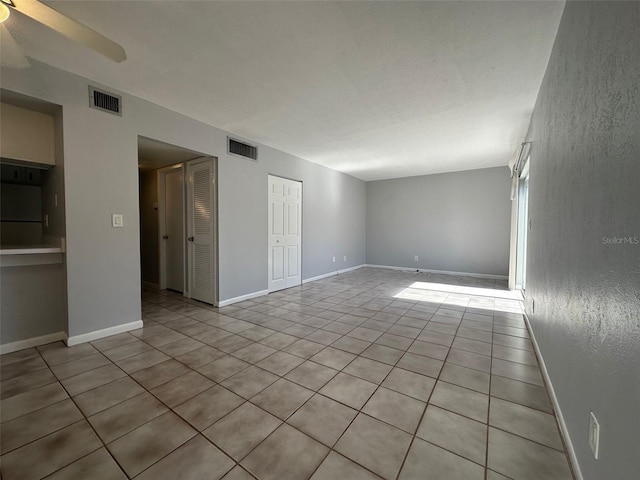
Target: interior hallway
374, 373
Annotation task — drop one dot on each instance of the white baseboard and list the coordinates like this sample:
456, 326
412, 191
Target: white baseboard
350, 269
261, 293
446, 272
32, 342
319, 277
241, 298
105, 332
332, 274
556, 406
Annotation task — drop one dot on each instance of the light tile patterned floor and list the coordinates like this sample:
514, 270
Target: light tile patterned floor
375, 373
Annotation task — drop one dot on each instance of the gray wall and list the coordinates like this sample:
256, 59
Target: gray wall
33, 301
585, 185
149, 248
457, 222
101, 178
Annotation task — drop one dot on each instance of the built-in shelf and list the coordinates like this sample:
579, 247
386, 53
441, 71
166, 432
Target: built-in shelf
29, 250
24, 255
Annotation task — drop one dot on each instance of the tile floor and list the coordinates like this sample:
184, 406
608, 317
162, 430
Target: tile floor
367, 375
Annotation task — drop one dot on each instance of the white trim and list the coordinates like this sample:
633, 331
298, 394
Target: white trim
241, 298
556, 406
319, 277
350, 269
32, 342
105, 332
426, 270
332, 274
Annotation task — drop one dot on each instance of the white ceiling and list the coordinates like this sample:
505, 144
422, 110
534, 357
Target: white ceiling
373, 89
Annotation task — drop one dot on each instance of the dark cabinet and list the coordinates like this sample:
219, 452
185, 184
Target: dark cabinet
20, 175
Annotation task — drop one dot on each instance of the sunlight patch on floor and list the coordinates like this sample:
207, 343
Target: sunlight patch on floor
461, 296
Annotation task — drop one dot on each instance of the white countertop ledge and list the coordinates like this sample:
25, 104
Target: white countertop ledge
30, 250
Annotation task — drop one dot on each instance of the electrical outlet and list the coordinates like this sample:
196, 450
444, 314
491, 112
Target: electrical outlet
594, 434
345, 258
415, 259
334, 259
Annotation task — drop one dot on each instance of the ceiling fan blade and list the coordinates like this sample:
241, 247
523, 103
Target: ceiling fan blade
71, 29
10, 53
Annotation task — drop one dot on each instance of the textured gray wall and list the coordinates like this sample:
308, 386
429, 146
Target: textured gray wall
101, 178
456, 222
585, 185
149, 248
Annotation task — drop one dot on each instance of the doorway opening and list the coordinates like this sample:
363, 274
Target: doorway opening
178, 247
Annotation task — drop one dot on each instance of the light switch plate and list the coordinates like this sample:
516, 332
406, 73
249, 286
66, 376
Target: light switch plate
117, 220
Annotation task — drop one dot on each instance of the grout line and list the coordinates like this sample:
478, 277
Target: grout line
305, 307
486, 450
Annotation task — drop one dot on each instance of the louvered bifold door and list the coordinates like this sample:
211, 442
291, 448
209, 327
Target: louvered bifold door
200, 239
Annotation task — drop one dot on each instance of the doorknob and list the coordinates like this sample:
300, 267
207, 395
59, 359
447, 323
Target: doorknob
191, 239
165, 237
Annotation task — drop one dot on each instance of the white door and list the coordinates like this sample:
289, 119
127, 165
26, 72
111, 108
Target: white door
200, 229
174, 229
285, 233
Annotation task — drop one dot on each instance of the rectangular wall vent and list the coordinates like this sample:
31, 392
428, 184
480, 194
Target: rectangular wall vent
105, 101
242, 149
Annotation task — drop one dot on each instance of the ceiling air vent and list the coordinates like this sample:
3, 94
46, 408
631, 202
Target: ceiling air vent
242, 149
105, 101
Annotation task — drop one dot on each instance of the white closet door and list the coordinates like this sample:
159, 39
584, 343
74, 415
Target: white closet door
201, 252
285, 233
174, 227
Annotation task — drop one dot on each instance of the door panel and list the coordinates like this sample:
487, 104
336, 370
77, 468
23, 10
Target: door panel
200, 223
285, 233
174, 229
292, 262
292, 219
277, 223
277, 270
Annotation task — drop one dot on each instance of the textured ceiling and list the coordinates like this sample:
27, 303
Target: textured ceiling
374, 89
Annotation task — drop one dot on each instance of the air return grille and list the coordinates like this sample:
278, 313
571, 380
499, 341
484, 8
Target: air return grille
242, 149
105, 101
